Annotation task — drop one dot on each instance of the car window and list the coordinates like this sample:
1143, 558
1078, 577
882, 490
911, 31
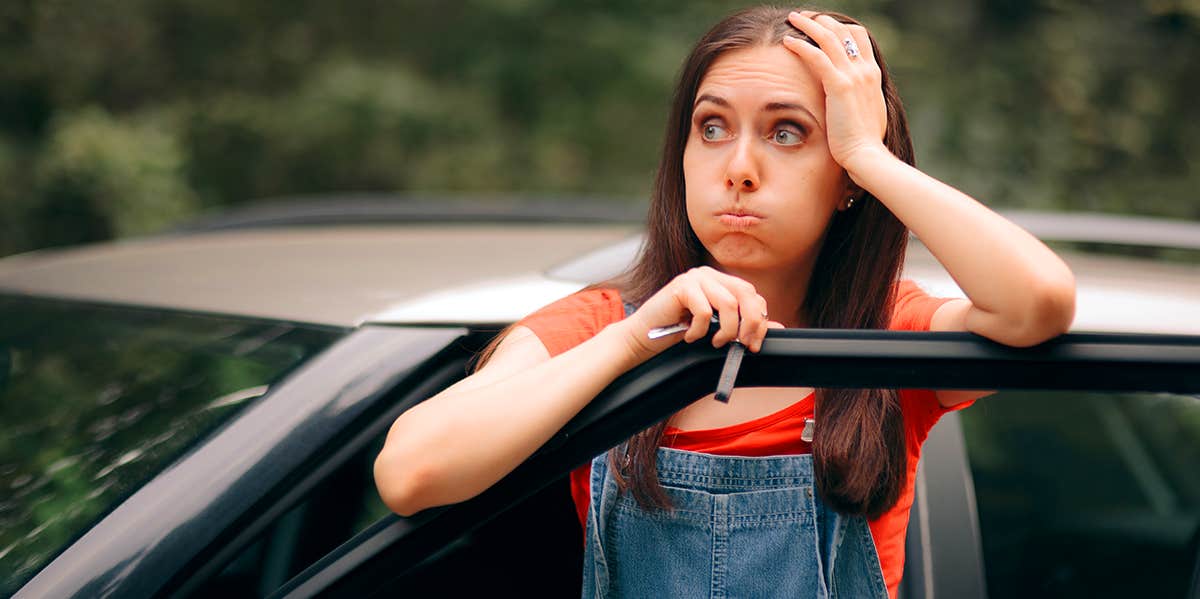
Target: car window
95, 400
331, 499
531, 549
346, 503
339, 506
1086, 493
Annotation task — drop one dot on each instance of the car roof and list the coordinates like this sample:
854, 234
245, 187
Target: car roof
1114, 294
414, 267
338, 275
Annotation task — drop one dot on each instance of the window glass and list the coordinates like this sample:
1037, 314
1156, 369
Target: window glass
96, 400
1086, 494
337, 508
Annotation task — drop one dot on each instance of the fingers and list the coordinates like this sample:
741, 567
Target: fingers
867, 49
727, 308
687, 305
747, 310
841, 33
701, 310
855, 83
753, 310
831, 35
742, 312
831, 77
824, 34
812, 56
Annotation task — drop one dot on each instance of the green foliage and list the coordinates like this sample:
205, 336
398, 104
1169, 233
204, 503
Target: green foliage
12, 202
1070, 108
351, 126
109, 109
117, 177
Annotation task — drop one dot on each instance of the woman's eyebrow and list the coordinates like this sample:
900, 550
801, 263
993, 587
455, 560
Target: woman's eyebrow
778, 106
719, 101
769, 107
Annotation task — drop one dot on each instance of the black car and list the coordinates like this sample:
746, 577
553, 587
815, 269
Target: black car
197, 414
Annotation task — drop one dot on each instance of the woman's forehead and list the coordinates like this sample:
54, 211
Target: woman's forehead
760, 75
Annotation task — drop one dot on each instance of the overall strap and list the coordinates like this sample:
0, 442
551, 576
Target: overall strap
629, 309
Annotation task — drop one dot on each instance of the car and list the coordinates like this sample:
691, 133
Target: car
197, 413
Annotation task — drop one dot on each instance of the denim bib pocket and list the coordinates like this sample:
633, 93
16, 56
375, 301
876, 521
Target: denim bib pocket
739, 527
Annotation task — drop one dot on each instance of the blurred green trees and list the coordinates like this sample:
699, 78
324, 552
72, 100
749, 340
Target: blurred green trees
122, 117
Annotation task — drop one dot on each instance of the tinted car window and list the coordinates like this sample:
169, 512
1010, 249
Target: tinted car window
1086, 494
341, 505
96, 400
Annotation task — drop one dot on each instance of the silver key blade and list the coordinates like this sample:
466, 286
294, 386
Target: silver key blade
660, 332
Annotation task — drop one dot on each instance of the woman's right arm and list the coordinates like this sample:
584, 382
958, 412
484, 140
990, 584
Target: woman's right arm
456, 444
459, 442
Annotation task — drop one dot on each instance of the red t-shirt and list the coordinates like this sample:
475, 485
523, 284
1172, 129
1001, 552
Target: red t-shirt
576, 318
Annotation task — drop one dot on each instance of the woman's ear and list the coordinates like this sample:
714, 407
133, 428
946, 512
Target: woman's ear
850, 195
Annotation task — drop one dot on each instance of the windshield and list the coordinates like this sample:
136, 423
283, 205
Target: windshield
96, 400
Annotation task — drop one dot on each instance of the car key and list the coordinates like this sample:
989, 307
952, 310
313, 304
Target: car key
660, 332
733, 361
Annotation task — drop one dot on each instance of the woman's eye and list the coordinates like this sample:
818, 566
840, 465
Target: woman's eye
713, 132
786, 137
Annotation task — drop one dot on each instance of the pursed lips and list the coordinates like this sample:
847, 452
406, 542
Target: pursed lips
739, 218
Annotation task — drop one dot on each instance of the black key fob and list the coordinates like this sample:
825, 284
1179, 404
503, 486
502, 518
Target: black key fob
733, 361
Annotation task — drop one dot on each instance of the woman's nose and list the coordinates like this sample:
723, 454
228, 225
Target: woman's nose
742, 171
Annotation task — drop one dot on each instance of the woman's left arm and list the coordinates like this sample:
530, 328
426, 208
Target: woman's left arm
1020, 292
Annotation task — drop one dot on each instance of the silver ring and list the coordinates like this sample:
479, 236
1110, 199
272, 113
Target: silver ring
851, 47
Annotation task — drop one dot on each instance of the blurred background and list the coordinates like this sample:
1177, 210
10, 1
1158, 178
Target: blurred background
126, 117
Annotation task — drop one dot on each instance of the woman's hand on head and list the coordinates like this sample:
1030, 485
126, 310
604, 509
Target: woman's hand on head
855, 110
693, 298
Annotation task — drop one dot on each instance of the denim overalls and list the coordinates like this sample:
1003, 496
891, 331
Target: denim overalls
740, 527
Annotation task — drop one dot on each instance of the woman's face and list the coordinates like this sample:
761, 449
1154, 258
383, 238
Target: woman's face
761, 184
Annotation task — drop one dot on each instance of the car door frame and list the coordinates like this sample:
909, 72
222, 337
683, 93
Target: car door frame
791, 357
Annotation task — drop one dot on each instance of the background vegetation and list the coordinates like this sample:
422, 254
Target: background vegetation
121, 117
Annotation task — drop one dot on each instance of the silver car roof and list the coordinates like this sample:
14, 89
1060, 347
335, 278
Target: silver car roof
1115, 294
328, 275
473, 273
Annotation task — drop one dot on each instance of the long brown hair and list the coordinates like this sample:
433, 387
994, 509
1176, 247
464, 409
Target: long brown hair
859, 446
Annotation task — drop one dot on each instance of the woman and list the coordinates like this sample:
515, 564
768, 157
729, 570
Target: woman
787, 189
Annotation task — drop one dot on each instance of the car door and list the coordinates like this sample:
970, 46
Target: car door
517, 537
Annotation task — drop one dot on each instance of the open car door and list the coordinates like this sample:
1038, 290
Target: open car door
521, 535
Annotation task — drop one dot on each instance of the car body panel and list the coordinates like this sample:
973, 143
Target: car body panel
491, 301
943, 552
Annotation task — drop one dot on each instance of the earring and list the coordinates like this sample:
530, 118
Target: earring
849, 202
